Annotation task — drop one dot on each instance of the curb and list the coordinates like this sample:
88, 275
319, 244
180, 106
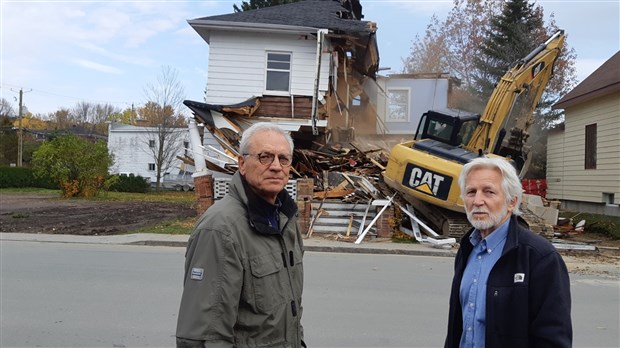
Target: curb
152, 240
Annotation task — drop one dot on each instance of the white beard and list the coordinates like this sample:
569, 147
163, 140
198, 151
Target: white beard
491, 222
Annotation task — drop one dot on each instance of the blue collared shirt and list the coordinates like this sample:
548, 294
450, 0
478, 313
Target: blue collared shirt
473, 295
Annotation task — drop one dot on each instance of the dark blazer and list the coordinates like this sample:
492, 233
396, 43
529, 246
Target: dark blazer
528, 294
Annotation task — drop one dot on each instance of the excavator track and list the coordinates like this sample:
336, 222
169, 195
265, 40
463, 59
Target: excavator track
445, 222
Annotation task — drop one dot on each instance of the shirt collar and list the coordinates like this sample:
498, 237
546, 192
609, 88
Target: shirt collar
493, 239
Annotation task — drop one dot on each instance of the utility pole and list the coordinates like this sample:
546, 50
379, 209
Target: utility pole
20, 131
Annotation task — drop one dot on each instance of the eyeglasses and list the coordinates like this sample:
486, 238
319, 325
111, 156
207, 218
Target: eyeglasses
266, 158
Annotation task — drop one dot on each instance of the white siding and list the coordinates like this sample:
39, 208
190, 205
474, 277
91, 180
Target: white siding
566, 153
237, 64
425, 94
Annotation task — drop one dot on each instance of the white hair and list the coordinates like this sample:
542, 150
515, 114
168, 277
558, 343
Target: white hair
511, 184
260, 127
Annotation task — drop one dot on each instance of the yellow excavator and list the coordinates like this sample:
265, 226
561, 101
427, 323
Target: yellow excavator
425, 170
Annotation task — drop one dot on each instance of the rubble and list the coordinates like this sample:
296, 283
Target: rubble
342, 172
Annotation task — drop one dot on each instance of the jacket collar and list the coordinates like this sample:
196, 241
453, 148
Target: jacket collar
258, 208
512, 239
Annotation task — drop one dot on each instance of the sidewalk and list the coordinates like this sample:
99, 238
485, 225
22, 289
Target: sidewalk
317, 244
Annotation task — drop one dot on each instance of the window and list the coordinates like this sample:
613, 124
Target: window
440, 130
278, 72
152, 166
608, 199
398, 105
151, 143
590, 158
186, 147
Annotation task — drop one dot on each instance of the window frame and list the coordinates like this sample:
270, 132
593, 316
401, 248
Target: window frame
269, 70
152, 165
590, 146
388, 104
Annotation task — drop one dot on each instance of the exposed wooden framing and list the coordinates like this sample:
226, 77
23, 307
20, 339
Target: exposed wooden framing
350, 224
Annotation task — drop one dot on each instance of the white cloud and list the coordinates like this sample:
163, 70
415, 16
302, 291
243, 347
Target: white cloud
98, 67
134, 60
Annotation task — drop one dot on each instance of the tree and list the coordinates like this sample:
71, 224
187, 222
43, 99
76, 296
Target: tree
429, 54
256, 4
101, 114
8, 141
478, 42
83, 112
127, 116
162, 113
457, 44
512, 35
62, 118
6, 109
78, 166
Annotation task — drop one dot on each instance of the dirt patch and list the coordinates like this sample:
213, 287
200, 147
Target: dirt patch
40, 213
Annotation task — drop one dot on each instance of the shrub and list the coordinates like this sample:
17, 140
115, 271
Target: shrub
23, 177
78, 166
131, 183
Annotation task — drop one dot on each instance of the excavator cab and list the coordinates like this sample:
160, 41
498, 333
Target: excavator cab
449, 126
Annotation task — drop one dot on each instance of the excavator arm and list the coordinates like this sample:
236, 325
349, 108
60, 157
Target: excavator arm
530, 75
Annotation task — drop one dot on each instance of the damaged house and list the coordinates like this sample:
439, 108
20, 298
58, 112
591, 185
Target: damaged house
311, 67
303, 65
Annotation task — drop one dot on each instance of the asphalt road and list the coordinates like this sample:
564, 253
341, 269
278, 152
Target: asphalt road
76, 295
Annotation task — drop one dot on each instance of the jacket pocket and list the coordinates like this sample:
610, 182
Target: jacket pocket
268, 281
508, 311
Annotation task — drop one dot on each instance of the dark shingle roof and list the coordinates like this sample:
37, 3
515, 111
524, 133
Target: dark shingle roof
320, 14
603, 81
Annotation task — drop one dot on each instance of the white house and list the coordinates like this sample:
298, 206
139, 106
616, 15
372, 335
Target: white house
300, 64
131, 145
311, 66
406, 97
583, 155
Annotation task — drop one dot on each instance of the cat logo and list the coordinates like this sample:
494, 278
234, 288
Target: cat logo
427, 181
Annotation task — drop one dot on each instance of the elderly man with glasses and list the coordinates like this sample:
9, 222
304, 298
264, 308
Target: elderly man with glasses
243, 269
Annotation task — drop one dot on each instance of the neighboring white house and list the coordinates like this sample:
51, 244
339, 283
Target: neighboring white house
132, 155
583, 155
405, 97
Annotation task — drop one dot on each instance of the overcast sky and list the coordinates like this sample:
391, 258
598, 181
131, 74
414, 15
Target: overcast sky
63, 52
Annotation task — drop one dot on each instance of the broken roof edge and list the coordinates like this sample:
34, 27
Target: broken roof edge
245, 26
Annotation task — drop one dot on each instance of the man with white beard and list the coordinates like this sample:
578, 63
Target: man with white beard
510, 286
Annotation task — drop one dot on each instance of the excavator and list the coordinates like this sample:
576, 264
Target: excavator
425, 170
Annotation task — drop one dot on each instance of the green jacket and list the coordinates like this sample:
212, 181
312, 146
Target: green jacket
243, 279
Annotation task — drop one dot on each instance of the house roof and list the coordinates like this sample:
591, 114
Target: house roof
335, 15
603, 81
340, 17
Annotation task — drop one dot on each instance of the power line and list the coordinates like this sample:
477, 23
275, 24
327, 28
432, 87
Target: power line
68, 97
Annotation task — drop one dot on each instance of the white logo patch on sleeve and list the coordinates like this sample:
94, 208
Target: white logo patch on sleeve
519, 277
197, 273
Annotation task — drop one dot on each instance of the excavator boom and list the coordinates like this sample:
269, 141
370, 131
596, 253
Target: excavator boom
425, 171
530, 74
